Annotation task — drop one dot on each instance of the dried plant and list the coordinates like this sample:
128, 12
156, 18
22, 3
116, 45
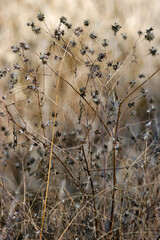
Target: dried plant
79, 137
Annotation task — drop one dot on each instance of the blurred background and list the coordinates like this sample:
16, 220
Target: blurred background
132, 15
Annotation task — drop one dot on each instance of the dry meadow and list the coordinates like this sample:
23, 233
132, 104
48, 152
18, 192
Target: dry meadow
79, 119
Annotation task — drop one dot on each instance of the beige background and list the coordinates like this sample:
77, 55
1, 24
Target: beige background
132, 15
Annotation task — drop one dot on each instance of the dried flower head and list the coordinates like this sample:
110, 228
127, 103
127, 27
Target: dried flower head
13, 80
132, 83
16, 66
101, 56
78, 31
93, 35
141, 75
24, 46
73, 43
149, 36
131, 104
15, 49
124, 36
86, 22
3, 73
82, 91
40, 17
31, 24
63, 19
140, 33
105, 43
153, 51
37, 30
116, 27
